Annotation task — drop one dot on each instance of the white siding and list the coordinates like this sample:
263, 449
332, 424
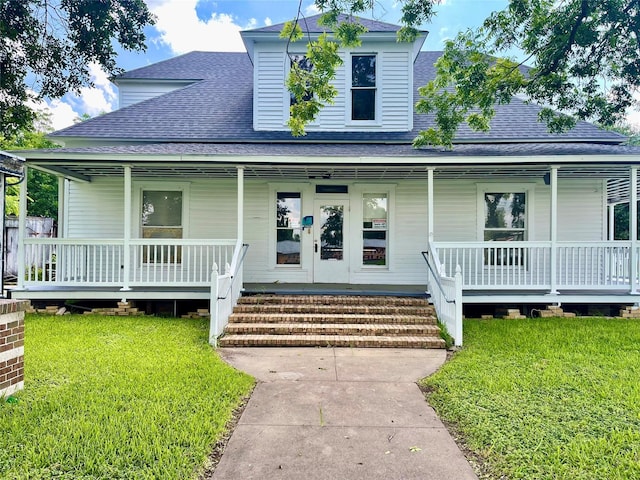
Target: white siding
394, 89
270, 99
580, 211
128, 93
396, 95
95, 210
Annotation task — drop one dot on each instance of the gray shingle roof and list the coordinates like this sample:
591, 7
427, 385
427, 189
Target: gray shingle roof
310, 25
190, 66
219, 108
396, 151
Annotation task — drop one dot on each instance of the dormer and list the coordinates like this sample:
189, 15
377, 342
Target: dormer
375, 81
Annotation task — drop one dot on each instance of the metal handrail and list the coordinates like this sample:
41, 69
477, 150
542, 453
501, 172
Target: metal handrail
436, 276
236, 265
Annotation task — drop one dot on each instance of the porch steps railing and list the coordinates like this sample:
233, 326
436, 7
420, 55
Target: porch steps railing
332, 320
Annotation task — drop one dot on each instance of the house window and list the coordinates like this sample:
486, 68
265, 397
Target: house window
162, 218
363, 87
504, 216
305, 64
504, 220
375, 227
288, 207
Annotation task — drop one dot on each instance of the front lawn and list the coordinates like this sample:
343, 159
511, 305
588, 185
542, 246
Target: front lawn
117, 398
546, 398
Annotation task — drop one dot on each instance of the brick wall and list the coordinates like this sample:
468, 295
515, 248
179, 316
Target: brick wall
11, 346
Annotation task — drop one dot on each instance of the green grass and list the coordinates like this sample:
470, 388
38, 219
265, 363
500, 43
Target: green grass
546, 398
117, 398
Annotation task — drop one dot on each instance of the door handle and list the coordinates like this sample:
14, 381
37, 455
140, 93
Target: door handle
315, 246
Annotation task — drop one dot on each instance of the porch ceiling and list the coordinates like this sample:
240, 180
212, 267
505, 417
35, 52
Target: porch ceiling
617, 175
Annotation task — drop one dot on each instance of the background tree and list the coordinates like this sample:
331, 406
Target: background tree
583, 57
43, 187
46, 47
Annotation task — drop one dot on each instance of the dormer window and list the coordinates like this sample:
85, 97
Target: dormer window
363, 87
305, 64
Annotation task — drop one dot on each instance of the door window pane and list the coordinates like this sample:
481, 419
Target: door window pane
331, 232
288, 207
374, 229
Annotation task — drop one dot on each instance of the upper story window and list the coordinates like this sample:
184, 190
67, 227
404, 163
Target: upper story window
305, 64
363, 87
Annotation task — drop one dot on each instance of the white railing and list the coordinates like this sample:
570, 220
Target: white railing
153, 262
225, 290
531, 265
446, 294
156, 262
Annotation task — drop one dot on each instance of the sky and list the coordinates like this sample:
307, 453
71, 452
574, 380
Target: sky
214, 25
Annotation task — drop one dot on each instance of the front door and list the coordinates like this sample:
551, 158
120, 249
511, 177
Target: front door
331, 242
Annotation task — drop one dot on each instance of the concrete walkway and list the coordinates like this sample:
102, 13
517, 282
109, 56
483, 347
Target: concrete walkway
339, 413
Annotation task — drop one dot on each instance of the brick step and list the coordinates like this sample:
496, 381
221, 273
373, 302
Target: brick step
331, 329
335, 308
330, 341
331, 318
332, 300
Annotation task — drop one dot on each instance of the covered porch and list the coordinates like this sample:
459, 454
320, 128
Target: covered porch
553, 269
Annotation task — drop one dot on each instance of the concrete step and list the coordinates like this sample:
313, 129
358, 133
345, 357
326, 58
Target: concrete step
332, 300
335, 308
331, 318
331, 329
353, 341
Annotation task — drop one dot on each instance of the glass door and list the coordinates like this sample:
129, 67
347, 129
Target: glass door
330, 243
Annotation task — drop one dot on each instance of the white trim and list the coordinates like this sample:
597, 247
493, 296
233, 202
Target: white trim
356, 194
306, 208
158, 185
348, 121
507, 187
13, 353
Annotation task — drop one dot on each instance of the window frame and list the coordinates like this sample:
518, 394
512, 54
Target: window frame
271, 253
375, 194
376, 90
529, 191
139, 189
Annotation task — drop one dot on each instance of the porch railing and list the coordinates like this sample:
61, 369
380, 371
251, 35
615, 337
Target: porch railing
225, 290
534, 265
446, 294
100, 262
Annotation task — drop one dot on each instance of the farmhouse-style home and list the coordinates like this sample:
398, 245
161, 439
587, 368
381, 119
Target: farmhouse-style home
195, 188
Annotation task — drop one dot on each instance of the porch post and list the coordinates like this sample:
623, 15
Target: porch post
430, 206
61, 206
127, 230
554, 230
612, 221
240, 213
633, 229
22, 229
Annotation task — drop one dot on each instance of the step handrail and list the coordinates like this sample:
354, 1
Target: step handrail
436, 276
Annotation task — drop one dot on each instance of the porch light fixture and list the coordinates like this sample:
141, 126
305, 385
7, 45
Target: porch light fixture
547, 178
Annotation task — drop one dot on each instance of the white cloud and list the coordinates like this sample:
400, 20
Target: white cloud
182, 30
311, 10
100, 98
268, 22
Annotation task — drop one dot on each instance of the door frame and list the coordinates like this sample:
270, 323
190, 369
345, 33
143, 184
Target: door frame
331, 271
